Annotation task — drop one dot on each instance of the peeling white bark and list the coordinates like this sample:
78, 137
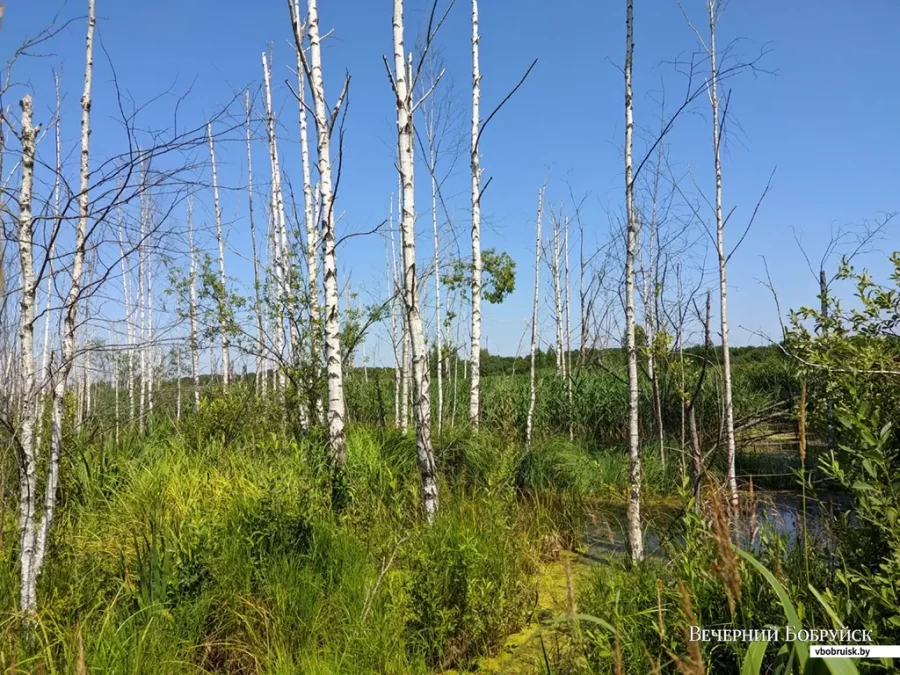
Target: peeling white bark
475, 374
195, 344
557, 290
712, 8
403, 88
335, 370
70, 320
222, 295
257, 288
129, 329
635, 538
532, 392
27, 461
277, 208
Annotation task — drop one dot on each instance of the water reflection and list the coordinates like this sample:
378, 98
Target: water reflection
777, 512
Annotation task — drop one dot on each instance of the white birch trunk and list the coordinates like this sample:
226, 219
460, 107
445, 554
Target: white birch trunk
222, 295
27, 465
390, 257
151, 345
257, 289
129, 332
312, 233
70, 314
116, 390
404, 377
422, 390
177, 384
712, 6
532, 391
635, 538
44, 373
142, 276
335, 370
557, 297
438, 329
475, 383
277, 207
195, 345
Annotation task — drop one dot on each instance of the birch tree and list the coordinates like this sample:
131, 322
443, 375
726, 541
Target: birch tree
44, 372
635, 538
556, 271
27, 461
335, 372
129, 324
148, 274
312, 233
475, 374
713, 8
257, 288
31, 571
532, 393
277, 214
222, 292
403, 90
476, 193
195, 344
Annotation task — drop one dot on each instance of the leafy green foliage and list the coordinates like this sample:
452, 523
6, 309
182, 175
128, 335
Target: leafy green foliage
499, 280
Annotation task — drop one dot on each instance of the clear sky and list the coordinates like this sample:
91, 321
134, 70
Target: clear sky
827, 114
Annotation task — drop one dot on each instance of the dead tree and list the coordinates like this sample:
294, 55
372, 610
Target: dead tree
324, 121
475, 374
635, 538
532, 393
222, 292
195, 344
257, 287
277, 217
403, 91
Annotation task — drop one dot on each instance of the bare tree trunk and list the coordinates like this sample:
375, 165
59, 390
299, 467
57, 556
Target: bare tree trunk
635, 537
475, 374
712, 7
405, 377
151, 345
391, 258
45, 373
129, 330
142, 353
277, 207
222, 294
532, 391
336, 406
69, 323
27, 459
257, 288
557, 290
195, 345
403, 87
582, 297
312, 233
116, 388
438, 342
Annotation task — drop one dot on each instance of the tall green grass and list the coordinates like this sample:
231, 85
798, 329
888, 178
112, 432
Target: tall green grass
211, 547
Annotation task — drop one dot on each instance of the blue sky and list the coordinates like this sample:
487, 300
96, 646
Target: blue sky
827, 115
